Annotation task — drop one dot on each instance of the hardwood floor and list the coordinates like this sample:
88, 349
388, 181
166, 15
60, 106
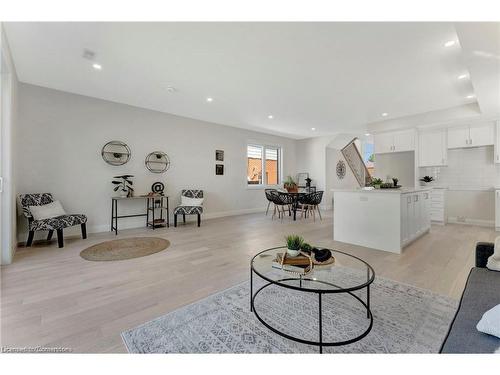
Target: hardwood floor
53, 298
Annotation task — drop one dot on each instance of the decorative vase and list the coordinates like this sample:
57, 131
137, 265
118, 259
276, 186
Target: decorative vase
292, 252
376, 186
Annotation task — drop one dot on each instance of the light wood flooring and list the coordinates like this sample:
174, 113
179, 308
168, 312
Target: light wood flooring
53, 298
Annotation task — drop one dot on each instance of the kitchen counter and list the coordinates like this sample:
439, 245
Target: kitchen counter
382, 219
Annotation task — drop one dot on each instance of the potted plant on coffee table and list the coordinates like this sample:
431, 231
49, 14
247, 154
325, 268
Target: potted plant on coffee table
290, 185
293, 244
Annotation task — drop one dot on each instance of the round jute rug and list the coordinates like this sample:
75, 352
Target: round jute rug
126, 248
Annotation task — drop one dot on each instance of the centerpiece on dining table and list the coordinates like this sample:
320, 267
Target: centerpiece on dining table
290, 185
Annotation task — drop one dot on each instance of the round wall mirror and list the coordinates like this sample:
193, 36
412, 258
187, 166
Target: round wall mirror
157, 162
116, 153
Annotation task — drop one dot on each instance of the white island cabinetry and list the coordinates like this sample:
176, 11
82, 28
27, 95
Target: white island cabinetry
381, 219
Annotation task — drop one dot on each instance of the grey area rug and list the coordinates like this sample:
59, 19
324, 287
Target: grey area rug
406, 320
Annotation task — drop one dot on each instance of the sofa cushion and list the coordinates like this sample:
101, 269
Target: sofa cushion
482, 292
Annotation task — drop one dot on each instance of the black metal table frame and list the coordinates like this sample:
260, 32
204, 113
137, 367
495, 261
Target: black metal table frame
115, 217
349, 291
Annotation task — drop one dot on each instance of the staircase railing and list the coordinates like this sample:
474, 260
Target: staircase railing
356, 163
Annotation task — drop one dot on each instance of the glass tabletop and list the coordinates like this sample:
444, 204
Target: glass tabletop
347, 273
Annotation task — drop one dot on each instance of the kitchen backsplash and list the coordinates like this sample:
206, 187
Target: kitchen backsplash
468, 168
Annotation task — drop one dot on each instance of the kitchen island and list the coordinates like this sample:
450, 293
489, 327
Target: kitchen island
383, 219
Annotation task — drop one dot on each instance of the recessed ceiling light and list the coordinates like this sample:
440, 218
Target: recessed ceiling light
385, 114
450, 43
313, 129
462, 76
367, 134
270, 117
97, 66
171, 89
470, 96
210, 99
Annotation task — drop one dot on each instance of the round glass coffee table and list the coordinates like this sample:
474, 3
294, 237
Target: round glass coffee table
323, 280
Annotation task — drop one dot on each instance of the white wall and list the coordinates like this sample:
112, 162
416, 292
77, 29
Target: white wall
8, 139
399, 164
471, 176
61, 136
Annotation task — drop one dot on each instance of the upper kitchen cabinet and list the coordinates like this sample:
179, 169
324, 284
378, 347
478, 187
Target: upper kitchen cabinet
471, 136
397, 141
432, 148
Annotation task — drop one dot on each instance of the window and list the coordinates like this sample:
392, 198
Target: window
368, 157
263, 165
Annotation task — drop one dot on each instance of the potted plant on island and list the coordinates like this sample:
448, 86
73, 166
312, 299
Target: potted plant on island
376, 182
290, 185
124, 184
294, 244
426, 179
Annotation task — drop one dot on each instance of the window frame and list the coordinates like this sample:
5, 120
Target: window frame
264, 147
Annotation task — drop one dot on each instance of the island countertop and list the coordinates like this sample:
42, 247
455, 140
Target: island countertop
402, 190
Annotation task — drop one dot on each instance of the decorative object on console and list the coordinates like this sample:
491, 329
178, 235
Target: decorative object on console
290, 185
115, 153
158, 188
219, 169
308, 182
157, 162
58, 223
302, 179
219, 155
124, 185
340, 169
190, 208
293, 244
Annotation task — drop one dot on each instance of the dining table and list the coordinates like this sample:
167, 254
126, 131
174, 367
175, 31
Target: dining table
295, 198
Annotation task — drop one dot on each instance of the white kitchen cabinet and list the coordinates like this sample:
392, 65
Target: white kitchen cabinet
497, 210
497, 142
432, 150
397, 141
415, 215
471, 136
437, 207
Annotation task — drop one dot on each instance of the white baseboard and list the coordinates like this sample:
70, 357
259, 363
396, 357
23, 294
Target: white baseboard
75, 231
478, 222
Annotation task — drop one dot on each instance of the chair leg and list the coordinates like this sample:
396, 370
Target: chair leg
267, 210
199, 219
31, 234
184, 218
49, 236
175, 220
319, 213
84, 230
60, 240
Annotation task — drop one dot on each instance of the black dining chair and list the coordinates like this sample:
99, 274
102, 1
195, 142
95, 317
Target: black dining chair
269, 197
310, 203
282, 200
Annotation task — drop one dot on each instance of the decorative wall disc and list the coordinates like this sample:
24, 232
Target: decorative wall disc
157, 162
341, 169
116, 153
158, 188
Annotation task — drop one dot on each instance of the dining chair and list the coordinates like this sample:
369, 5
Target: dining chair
310, 203
269, 197
281, 200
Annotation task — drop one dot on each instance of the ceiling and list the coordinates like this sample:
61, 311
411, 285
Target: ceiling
334, 77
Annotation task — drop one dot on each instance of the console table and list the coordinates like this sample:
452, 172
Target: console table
151, 207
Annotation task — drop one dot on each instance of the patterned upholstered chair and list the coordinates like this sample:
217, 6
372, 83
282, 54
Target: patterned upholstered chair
189, 210
53, 224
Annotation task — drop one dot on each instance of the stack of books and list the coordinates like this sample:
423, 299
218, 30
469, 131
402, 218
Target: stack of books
298, 264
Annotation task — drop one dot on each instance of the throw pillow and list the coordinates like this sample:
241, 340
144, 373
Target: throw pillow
490, 322
47, 211
494, 260
186, 201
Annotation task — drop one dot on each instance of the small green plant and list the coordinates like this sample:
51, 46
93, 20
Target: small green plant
306, 247
289, 183
377, 181
294, 242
